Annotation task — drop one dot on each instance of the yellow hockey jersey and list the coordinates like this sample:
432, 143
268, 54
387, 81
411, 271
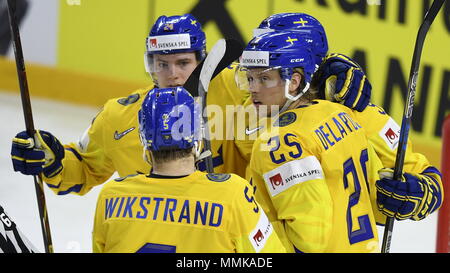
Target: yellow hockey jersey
310, 173
111, 143
382, 132
195, 213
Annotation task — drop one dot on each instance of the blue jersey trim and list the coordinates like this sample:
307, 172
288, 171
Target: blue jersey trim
432, 170
75, 188
157, 248
297, 250
75, 153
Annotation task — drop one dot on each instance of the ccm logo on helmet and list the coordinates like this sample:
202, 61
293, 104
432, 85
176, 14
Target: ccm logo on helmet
297, 60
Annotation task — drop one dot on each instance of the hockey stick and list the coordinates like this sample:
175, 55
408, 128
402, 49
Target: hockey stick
12, 240
223, 53
29, 124
407, 113
218, 59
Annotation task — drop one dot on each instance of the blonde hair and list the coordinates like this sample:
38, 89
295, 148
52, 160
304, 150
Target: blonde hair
312, 93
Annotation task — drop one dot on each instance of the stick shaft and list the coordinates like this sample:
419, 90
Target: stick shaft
407, 113
29, 124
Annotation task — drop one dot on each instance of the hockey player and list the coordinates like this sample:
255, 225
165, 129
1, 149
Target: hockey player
111, 142
314, 167
175, 46
383, 132
305, 187
176, 208
345, 80
351, 86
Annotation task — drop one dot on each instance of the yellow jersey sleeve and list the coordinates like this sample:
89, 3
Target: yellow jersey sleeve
266, 204
383, 134
253, 231
103, 149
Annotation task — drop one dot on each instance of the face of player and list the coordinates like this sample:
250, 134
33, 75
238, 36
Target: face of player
174, 69
266, 88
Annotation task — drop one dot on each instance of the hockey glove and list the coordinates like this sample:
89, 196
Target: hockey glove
415, 197
343, 80
31, 156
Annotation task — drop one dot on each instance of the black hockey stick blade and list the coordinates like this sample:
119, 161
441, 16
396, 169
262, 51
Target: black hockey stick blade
407, 113
29, 125
222, 55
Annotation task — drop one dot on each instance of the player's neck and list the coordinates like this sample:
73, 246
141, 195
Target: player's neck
299, 102
177, 167
296, 104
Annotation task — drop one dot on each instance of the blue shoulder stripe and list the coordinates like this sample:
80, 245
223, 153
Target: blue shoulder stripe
75, 188
53, 186
75, 153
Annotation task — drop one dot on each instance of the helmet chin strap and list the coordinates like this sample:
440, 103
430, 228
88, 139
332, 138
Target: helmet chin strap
289, 97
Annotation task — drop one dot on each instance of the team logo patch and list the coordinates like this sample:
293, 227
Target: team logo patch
276, 181
168, 27
286, 119
152, 43
292, 173
218, 177
166, 119
259, 235
391, 134
129, 100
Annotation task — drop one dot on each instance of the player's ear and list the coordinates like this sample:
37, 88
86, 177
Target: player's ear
296, 80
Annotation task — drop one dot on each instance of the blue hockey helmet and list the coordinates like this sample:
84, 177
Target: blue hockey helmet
302, 22
169, 119
281, 50
175, 34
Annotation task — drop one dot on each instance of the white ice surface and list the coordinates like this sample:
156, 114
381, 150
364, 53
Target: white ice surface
71, 216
